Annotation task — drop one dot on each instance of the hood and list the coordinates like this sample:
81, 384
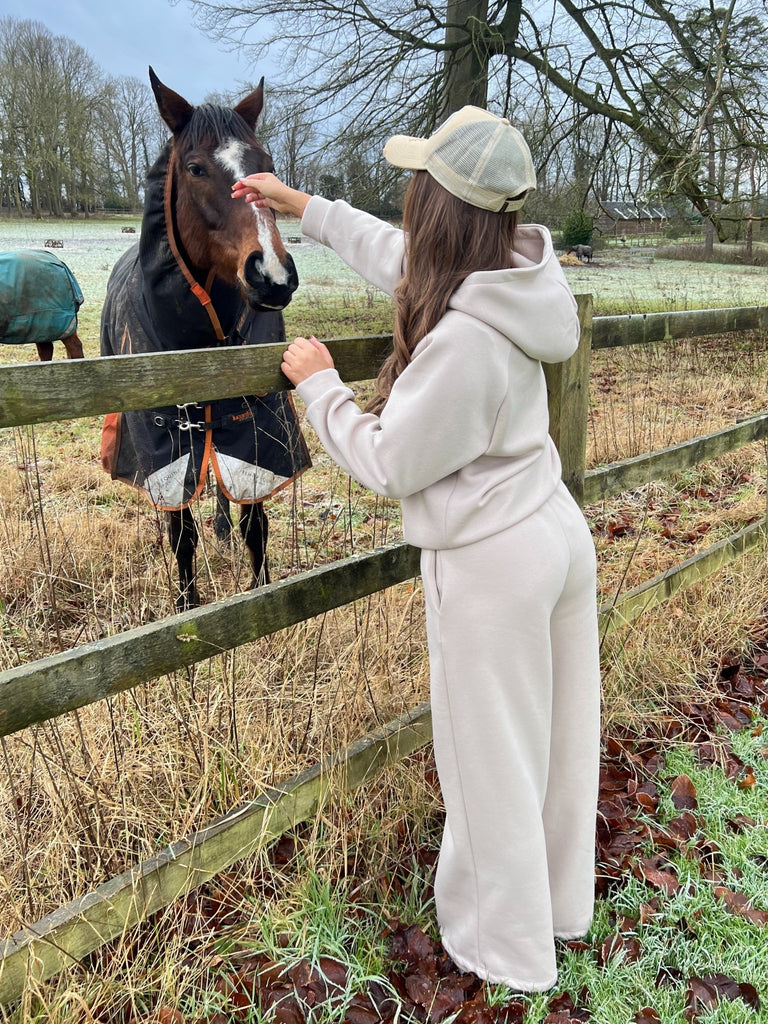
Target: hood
529, 303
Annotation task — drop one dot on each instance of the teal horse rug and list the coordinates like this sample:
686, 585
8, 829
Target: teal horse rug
252, 444
39, 297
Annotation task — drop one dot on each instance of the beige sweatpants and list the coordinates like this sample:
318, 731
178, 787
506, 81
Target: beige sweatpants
515, 692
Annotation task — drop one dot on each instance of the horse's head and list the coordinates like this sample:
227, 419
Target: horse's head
212, 147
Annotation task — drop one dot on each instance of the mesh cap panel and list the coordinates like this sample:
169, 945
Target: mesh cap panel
475, 155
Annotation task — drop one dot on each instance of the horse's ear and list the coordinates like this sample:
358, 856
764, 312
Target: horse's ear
174, 109
250, 107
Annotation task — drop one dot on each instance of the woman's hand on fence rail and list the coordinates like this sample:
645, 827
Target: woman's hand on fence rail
303, 357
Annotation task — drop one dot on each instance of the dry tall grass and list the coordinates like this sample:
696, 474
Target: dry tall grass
642, 399
81, 557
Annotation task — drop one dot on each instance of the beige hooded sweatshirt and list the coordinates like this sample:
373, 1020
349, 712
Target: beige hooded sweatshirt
463, 440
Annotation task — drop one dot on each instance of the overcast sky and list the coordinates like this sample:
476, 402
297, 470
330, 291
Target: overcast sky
125, 36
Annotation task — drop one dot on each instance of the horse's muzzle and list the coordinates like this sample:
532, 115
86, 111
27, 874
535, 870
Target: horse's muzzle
262, 290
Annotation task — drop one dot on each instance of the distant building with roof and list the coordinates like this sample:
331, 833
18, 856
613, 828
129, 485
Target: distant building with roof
631, 218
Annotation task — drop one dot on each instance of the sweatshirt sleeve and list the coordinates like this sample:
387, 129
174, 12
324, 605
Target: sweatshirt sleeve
439, 417
373, 248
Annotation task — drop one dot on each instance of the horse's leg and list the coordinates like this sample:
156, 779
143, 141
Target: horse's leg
74, 346
222, 524
44, 350
254, 526
182, 532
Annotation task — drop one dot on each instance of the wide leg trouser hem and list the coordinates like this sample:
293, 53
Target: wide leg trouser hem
577, 933
513, 983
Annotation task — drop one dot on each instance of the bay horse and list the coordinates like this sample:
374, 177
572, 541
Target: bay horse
206, 271
39, 302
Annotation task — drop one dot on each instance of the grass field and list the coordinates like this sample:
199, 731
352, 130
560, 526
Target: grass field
85, 796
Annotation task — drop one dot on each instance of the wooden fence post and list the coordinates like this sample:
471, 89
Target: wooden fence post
568, 390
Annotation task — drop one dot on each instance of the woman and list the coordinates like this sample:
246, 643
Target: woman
459, 432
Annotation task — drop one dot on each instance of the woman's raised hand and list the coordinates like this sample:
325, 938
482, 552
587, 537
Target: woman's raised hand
266, 190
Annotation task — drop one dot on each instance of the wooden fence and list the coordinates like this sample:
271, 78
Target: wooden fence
44, 689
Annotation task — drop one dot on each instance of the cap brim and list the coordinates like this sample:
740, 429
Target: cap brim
407, 152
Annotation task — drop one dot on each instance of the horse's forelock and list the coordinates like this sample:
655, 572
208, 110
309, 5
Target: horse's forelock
212, 125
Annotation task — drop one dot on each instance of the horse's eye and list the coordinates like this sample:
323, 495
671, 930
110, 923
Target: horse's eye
196, 170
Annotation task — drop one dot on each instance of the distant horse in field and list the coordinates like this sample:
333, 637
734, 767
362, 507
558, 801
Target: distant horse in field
584, 252
206, 271
39, 300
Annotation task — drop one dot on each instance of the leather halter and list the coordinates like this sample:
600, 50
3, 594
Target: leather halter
200, 293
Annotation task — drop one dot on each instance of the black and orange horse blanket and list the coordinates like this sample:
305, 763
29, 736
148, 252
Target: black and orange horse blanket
253, 444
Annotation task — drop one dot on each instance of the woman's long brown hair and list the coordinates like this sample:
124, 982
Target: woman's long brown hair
446, 239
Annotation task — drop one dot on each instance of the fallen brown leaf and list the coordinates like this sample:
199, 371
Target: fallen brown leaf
658, 872
737, 903
703, 994
564, 1009
740, 823
683, 793
650, 910
476, 1013
625, 947
646, 1016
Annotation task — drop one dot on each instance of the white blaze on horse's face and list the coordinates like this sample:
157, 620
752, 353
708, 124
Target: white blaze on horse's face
231, 156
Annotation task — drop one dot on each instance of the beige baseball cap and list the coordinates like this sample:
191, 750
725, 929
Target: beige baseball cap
476, 155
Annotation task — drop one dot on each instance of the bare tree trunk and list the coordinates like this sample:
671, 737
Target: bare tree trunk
17, 197
466, 60
751, 220
736, 197
709, 234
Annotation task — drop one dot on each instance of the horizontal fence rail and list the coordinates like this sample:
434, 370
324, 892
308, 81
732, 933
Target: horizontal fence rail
68, 389
72, 388
644, 328
632, 604
44, 689
617, 477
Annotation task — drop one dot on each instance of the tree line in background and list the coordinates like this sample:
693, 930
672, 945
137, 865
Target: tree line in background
72, 139
77, 141
641, 100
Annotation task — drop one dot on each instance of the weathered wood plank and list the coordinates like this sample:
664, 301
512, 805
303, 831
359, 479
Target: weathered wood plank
52, 686
568, 393
642, 328
72, 931
613, 615
607, 481
68, 389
